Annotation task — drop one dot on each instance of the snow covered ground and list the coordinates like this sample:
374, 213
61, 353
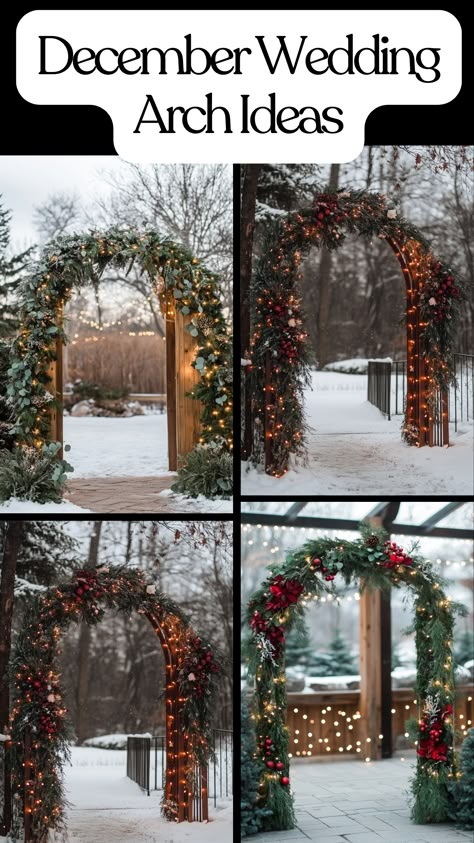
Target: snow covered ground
14, 505
108, 807
101, 447
353, 449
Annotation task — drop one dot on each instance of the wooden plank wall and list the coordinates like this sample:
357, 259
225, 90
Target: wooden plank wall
188, 410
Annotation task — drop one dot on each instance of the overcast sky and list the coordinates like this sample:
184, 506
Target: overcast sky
26, 181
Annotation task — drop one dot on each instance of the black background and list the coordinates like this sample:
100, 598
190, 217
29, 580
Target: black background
87, 130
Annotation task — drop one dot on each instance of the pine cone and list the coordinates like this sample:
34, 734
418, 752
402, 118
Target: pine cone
371, 541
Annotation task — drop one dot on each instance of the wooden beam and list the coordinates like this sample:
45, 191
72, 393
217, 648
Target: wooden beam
171, 386
370, 668
188, 410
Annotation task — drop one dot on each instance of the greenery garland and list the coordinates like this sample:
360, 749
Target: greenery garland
38, 701
74, 261
278, 320
279, 602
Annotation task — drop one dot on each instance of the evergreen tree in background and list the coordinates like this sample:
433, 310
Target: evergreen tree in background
251, 816
6, 419
299, 650
337, 661
47, 554
9, 269
464, 647
396, 660
463, 790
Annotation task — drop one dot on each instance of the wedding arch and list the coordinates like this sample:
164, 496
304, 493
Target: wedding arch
279, 360
311, 571
198, 346
40, 732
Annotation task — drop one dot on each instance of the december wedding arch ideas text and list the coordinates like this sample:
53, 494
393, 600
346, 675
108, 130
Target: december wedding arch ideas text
280, 369
198, 343
313, 571
40, 731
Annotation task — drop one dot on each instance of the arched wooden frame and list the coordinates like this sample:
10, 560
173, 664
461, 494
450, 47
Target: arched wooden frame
433, 427
189, 795
183, 412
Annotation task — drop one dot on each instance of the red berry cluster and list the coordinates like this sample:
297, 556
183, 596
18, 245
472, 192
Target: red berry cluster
200, 664
395, 555
268, 750
317, 563
326, 205
86, 586
285, 592
442, 288
432, 743
274, 634
37, 690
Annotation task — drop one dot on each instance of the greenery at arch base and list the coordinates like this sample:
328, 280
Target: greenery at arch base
278, 322
74, 261
314, 570
38, 699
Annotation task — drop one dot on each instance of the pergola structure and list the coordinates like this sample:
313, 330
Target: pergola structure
375, 606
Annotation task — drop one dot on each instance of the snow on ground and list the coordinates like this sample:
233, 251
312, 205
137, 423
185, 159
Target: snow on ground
108, 807
16, 505
201, 503
114, 447
353, 449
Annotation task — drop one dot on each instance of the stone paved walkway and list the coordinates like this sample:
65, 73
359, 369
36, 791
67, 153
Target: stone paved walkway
357, 802
128, 494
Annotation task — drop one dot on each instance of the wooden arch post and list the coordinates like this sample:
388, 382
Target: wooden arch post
191, 799
432, 422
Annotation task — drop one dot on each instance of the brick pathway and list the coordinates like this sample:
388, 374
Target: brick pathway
356, 802
127, 494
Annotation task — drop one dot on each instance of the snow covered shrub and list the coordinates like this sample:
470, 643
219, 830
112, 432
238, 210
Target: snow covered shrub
33, 474
207, 471
82, 390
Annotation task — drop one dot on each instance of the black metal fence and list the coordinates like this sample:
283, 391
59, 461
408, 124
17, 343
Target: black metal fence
379, 385
387, 385
146, 764
138, 762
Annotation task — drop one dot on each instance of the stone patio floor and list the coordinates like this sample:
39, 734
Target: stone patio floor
129, 494
357, 802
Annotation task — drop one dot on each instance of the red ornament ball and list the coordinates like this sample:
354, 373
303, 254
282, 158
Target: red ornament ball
285, 780
270, 765
280, 765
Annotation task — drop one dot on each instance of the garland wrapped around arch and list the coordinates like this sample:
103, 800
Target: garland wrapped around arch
192, 681
280, 369
74, 261
311, 571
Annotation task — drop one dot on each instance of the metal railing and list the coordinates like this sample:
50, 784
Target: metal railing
138, 762
146, 763
379, 385
461, 403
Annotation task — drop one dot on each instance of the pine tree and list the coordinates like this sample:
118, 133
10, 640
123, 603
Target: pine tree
463, 791
9, 269
251, 816
6, 420
464, 647
337, 661
46, 555
299, 650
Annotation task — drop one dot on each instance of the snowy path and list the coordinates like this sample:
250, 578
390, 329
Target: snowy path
108, 807
353, 449
102, 447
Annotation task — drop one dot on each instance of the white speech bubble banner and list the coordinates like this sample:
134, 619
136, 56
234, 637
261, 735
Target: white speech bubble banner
243, 86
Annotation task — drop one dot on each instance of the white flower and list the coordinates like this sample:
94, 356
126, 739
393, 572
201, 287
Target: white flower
432, 301
103, 570
51, 698
151, 589
244, 362
292, 323
191, 677
392, 214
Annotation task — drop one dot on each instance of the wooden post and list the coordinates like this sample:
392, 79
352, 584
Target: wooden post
171, 386
28, 798
204, 795
55, 373
370, 670
267, 425
386, 673
188, 410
